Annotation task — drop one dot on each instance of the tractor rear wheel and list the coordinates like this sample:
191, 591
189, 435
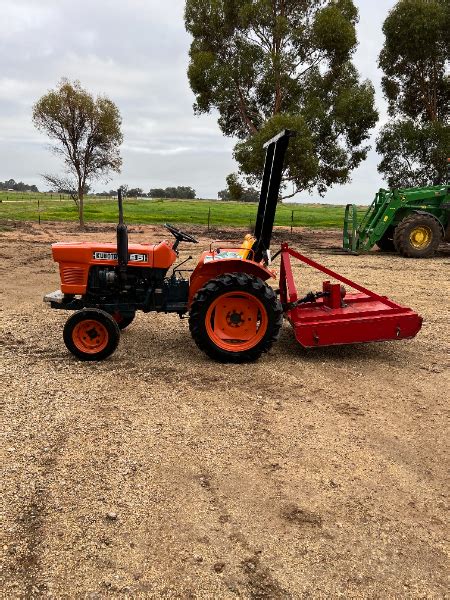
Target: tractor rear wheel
417, 236
235, 318
91, 334
386, 242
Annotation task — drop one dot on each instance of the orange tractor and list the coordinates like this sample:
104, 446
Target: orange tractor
234, 314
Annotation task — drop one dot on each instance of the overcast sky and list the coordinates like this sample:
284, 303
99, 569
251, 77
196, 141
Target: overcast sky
136, 52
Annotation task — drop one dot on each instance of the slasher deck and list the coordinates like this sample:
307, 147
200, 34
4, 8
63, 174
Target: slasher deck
355, 318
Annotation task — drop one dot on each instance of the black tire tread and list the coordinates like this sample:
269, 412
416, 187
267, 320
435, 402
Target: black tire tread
401, 236
386, 242
223, 284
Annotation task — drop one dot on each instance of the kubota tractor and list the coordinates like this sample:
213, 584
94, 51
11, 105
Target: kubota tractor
234, 314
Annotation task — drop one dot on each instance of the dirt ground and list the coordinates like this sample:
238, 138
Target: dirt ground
159, 473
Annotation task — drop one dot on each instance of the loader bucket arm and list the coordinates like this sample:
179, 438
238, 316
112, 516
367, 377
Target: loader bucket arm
270, 189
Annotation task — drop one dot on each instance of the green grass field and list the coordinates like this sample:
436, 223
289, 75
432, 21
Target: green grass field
230, 214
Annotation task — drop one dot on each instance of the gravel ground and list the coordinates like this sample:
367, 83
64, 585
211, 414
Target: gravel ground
159, 473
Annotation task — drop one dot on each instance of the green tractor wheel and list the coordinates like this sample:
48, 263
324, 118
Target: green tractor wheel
386, 242
417, 236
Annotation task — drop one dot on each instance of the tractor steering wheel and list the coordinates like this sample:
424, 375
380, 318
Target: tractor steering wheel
180, 236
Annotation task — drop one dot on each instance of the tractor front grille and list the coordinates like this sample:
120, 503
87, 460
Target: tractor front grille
73, 275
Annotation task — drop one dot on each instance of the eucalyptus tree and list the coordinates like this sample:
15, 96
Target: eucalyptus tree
415, 59
265, 65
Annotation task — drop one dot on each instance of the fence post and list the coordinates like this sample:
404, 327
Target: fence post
209, 218
39, 212
292, 221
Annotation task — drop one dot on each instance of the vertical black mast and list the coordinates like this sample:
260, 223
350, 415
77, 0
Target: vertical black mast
122, 242
270, 188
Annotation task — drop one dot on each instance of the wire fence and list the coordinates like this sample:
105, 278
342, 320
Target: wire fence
30, 196
211, 214
34, 207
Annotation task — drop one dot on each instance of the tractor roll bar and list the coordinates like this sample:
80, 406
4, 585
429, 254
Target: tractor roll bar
270, 189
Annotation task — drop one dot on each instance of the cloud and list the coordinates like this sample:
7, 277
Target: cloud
157, 151
24, 17
135, 52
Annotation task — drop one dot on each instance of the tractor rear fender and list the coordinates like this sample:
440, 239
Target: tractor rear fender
209, 270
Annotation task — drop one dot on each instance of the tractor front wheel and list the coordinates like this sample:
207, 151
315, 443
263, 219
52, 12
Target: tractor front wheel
386, 242
417, 236
235, 318
91, 334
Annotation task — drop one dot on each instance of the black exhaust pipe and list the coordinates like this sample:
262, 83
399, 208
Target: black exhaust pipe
122, 242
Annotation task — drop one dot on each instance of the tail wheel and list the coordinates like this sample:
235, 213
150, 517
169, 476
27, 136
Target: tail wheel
235, 318
418, 236
91, 334
123, 319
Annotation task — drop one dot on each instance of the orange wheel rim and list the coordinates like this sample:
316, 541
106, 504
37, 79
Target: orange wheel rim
90, 336
236, 321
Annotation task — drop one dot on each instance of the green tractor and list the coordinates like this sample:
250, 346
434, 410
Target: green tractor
412, 222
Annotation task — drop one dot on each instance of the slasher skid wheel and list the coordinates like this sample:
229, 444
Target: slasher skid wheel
235, 318
91, 334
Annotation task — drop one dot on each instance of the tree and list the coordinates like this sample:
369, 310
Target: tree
236, 191
157, 193
11, 184
66, 185
413, 154
272, 64
135, 193
181, 193
235, 188
250, 195
87, 135
415, 143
